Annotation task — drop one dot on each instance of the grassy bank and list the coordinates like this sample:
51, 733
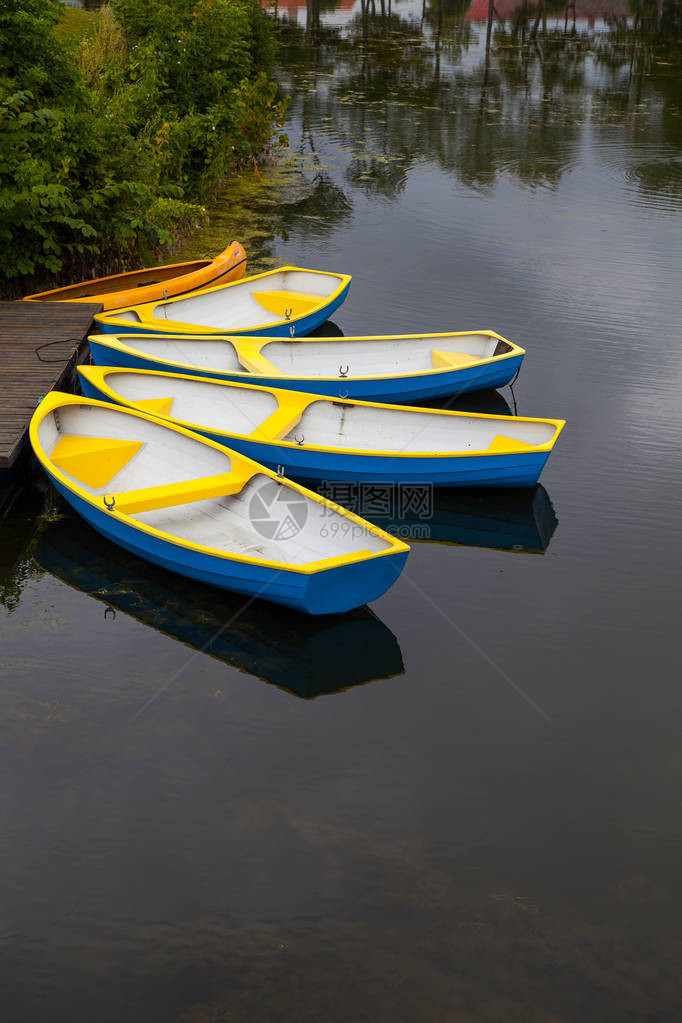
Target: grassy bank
116, 125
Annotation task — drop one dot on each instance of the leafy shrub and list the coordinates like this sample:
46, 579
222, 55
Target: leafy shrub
106, 151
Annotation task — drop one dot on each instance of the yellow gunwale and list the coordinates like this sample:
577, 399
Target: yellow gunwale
114, 341
57, 399
299, 401
145, 310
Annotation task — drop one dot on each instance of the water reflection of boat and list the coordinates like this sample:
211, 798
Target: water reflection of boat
511, 520
308, 656
490, 403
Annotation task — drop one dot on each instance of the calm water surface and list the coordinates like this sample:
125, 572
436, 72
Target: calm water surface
478, 818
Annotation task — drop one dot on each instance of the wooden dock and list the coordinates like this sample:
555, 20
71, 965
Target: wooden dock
40, 343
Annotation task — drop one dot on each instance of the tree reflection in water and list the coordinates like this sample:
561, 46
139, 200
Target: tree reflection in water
486, 88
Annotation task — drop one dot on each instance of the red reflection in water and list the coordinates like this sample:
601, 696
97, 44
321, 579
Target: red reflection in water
292, 6
585, 10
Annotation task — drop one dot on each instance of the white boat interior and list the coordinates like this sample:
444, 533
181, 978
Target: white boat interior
325, 422
322, 357
231, 409
248, 303
331, 357
111, 453
416, 431
214, 353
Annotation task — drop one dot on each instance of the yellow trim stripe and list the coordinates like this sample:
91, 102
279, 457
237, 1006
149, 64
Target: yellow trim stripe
56, 399
146, 310
253, 345
292, 405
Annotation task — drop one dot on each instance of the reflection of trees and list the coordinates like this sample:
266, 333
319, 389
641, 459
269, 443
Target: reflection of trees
382, 61
640, 61
13, 578
17, 533
394, 103
398, 91
319, 212
537, 79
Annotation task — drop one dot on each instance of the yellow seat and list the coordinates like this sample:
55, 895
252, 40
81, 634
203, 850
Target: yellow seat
450, 360
156, 406
169, 495
93, 460
279, 424
248, 353
500, 444
287, 304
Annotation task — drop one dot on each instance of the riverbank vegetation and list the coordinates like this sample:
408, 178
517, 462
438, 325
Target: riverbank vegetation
111, 138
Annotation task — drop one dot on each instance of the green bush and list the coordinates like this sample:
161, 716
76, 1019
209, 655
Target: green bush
107, 149
28, 54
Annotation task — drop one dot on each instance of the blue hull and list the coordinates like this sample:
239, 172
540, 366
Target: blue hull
499, 470
514, 470
391, 390
303, 325
336, 590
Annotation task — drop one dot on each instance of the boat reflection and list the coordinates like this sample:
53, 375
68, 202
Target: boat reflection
490, 403
327, 329
506, 520
307, 656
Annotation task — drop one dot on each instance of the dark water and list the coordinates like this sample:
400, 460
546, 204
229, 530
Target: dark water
478, 818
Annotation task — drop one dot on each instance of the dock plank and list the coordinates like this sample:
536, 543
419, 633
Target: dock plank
40, 343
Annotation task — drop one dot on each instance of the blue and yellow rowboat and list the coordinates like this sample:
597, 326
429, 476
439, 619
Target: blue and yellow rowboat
393, 368
319, 438
196, 508
289, 302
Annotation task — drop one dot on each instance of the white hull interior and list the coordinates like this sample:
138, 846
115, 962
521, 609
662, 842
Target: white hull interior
323, 357
229, 524
412, 432
236, 306
233, 409
216, 354
371, 357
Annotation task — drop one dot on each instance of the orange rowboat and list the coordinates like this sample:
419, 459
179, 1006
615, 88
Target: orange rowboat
152, 284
